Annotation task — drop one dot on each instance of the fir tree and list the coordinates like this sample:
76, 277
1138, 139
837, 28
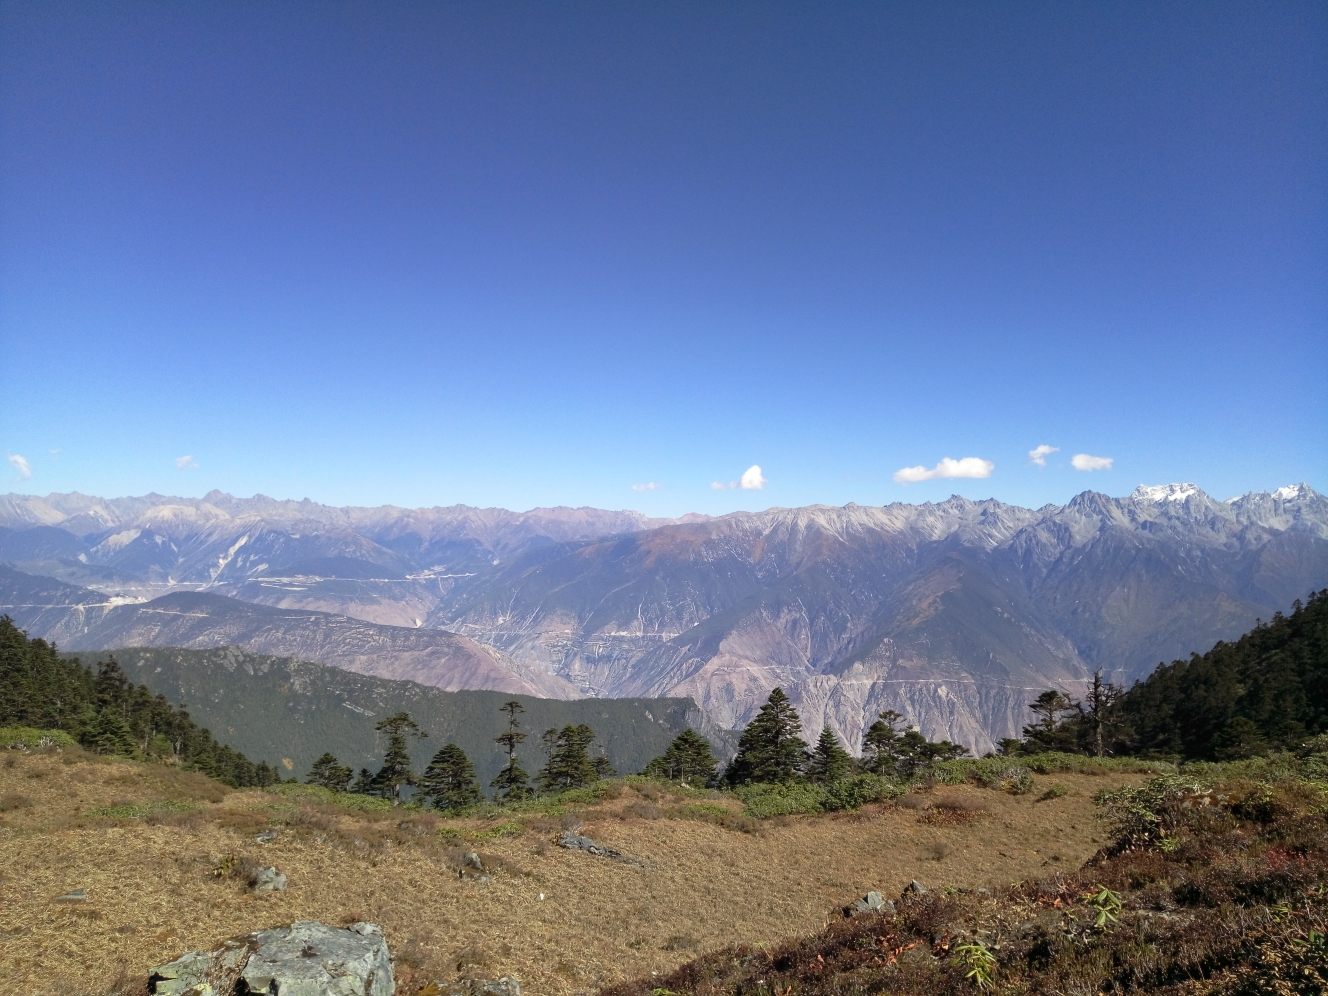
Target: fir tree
512, 782
880, 744
1048, 733
330, 773
687, 759
449, 780
895, 754
770, 748
363, 784
570, 764
110, 734
829, 762
1240, 739
396, 759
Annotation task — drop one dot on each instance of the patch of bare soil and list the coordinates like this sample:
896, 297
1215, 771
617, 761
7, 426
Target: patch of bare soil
163, 856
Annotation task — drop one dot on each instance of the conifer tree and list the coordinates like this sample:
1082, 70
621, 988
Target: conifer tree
110, 733
895, 754
330, 773
880, 743
363, 784
570, 764
1102, 695
829, 762
1049, 733
396, 759
512, 782
687, 759
770, 748
449, 780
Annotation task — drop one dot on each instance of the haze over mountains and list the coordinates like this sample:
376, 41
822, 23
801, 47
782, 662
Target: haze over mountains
952, 613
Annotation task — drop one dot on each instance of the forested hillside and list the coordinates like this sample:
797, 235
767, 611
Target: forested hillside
106, 712
1267, 690
285, 708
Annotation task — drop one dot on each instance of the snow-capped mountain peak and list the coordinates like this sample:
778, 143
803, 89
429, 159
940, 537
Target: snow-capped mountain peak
1292, 491
1157, 493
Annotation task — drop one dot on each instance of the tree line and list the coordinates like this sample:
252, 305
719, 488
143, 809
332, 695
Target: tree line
771, 750
107, 713
1266, 691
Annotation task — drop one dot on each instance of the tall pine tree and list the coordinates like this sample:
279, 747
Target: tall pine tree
771, 748
330, 773
395, 771
687, 759
829, 762
512, 782
570, 764
448, 783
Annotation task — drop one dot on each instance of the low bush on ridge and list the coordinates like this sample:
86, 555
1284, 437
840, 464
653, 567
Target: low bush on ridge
761, 801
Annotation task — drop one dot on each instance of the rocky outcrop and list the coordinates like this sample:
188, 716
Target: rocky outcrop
576, 842
306, 958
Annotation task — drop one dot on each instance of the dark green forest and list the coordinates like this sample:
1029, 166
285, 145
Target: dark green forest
106, 712
1267, 691
284, 708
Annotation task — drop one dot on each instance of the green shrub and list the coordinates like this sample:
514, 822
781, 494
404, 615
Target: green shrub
761, 801
858, 790
1144, 816
1054, 792
25, 738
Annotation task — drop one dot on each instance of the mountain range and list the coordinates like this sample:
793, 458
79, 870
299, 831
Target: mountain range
954, 613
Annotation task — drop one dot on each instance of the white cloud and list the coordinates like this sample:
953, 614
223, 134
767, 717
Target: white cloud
22, 466
751, 479
651, 486
1039, 455
967, 467
55, 452
186, 463
1082, 461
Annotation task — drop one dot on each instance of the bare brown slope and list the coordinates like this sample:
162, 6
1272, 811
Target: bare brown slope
80, 620
152, 893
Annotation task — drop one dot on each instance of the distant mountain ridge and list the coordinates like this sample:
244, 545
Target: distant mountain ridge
81, 619
954, 613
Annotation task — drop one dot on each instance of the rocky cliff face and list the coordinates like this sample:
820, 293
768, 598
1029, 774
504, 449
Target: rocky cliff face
78, 619
954, 613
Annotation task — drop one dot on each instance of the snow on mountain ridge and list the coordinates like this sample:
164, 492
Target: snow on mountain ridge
1164, 492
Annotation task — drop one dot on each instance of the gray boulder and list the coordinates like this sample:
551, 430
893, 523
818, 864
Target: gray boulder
873, 902
915, 888
269, 880
187, 974
576, 842
309, 958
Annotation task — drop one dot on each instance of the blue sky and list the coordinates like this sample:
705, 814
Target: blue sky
535, 254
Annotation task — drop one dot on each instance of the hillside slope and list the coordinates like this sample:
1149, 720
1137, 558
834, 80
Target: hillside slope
284, 708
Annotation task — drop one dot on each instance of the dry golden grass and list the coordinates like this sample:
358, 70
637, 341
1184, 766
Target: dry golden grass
167, 875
